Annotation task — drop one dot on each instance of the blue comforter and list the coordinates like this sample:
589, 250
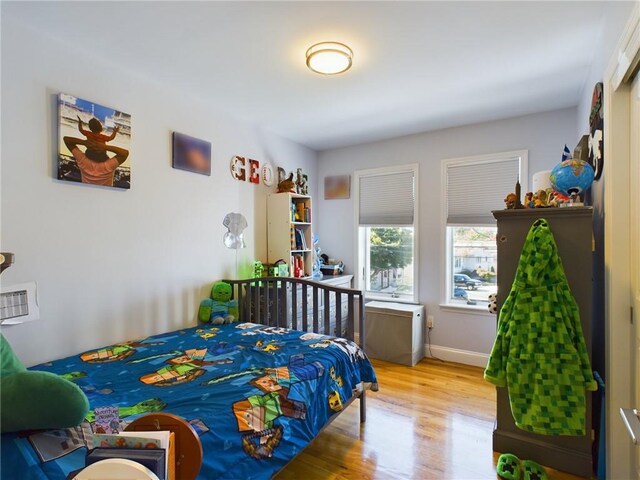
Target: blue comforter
256, 395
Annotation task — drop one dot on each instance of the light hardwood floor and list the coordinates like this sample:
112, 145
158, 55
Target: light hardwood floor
432, 421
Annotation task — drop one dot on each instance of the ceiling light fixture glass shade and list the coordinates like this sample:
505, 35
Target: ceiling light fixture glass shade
329, 58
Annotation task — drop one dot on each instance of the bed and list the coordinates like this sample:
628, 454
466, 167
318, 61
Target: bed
257, 391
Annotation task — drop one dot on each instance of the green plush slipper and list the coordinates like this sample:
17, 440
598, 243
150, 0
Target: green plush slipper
508, 467
533, 471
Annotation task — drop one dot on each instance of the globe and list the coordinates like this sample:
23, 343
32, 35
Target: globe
571, 177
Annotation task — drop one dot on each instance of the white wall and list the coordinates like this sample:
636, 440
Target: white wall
619, 449
113, 265
615, 15
614, 18
543, 135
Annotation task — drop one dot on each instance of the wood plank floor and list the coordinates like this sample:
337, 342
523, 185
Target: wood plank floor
433, 421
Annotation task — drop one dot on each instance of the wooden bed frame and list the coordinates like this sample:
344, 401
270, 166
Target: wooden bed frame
295, 303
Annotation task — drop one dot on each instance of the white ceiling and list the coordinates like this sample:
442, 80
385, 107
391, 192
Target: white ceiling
417, 65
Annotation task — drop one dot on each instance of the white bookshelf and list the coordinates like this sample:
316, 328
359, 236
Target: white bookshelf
280, 225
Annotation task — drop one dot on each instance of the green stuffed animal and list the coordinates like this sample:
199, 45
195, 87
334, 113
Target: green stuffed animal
34, 400
219, 308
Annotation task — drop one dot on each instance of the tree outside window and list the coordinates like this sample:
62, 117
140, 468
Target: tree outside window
390, 266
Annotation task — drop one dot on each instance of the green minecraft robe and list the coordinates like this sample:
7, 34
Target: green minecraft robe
539, 352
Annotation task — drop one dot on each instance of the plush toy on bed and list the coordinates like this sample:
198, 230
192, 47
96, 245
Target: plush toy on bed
219, 308
34, 400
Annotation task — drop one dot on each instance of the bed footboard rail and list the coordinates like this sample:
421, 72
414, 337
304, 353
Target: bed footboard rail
301, 304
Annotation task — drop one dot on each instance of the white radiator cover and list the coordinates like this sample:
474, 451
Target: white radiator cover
394, 332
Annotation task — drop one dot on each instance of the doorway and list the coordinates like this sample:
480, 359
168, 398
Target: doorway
622, 259
634, 241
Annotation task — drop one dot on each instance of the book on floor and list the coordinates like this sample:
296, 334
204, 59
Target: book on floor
155, 459
135, 440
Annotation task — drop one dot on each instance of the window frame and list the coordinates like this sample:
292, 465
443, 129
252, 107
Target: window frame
446, 258
360, 240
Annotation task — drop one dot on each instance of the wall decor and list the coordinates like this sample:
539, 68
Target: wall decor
337, 187
581, 152
254, 171
93, 143
267, 175
247, 169
596, 127
238, 168
191, 154
282, 174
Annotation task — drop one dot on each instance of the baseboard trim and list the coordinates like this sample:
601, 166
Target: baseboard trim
465, 357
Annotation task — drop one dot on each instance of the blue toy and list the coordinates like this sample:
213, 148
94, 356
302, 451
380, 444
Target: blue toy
316, 273
571, 177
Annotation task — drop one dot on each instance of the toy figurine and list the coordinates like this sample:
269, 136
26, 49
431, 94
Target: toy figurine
220, 308
540, 199
493, 303
557, 199
518, 202
301, 182
280, 269
316, 272
510, 201
528, 200
287, 185
258, 269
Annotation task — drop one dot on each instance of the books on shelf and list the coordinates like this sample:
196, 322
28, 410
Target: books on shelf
300, 212
297, 265
296, 249
300, 240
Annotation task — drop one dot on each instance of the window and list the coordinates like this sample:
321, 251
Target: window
387, 231
474, 186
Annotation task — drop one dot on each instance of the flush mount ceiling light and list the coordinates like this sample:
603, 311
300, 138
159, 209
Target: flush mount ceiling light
329, 58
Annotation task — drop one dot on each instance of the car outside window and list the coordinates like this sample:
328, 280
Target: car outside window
473, 262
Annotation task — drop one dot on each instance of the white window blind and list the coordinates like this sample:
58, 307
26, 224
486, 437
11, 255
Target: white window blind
474, 189
387, 199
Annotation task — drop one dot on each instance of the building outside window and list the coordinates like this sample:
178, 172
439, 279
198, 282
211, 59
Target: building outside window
475, 260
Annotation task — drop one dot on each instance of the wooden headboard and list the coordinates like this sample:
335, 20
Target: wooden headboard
301, 305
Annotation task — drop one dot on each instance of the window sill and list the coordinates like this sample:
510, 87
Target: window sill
390, 300
467, 309
382, 298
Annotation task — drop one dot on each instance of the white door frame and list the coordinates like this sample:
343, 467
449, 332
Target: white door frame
618, 328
